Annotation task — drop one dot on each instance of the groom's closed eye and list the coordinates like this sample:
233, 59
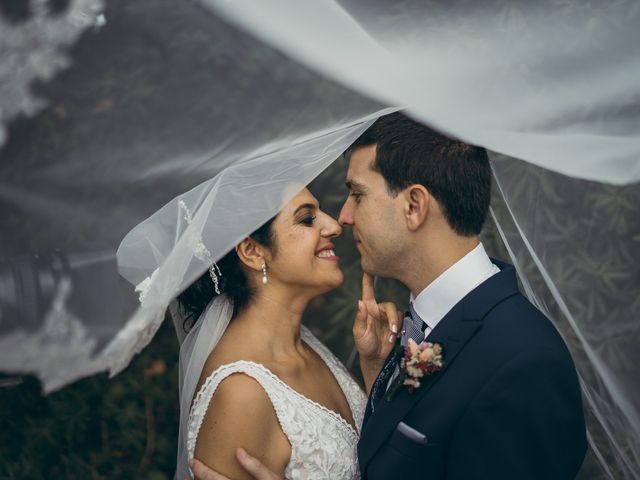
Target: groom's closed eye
355, 190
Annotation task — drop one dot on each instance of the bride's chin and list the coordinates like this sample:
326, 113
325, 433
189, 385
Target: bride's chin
338, 281
332, 284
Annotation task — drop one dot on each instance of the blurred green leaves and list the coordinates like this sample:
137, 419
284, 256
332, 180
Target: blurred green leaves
97, 428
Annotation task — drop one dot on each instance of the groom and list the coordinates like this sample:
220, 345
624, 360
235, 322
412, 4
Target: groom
506, 402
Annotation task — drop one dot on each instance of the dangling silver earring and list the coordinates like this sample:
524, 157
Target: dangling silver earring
265, 279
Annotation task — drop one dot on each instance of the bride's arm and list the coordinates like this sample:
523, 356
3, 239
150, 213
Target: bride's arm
240, 414
251, 464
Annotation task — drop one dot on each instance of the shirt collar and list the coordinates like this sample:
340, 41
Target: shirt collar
441, 295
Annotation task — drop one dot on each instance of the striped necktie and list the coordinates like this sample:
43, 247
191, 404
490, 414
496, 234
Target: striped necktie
413, 327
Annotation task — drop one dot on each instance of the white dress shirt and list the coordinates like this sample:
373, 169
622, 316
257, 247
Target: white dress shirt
441, 295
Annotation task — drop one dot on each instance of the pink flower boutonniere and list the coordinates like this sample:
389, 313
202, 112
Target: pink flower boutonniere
418, 361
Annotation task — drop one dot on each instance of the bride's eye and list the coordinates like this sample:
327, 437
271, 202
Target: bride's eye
308, 220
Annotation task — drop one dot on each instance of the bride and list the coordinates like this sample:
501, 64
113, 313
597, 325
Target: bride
270, 385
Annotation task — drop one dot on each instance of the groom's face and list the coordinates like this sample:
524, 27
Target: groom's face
374, 215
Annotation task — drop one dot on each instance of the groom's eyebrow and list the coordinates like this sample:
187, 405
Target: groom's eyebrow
353, 185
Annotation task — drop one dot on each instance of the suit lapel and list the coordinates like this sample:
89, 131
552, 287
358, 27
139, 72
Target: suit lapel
390, 358
454, 331
453, 335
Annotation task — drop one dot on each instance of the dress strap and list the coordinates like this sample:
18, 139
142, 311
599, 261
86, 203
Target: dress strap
267, 380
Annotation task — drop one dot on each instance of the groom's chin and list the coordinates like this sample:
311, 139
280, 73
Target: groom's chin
367, 267
379, 269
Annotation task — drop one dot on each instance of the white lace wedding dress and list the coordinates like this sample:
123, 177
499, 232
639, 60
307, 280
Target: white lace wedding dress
323, 444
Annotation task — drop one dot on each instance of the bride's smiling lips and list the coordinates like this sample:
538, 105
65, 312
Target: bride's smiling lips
327, 252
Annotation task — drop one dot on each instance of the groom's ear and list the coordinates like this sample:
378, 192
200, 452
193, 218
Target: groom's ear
418, 201
250, 253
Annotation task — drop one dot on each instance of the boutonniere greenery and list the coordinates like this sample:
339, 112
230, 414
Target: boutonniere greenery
418, 361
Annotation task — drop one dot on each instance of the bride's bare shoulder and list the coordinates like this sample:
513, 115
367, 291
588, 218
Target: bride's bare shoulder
240, 413
231, 348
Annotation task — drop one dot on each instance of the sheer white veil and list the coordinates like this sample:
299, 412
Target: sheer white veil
194, 350
215, 104
188, 235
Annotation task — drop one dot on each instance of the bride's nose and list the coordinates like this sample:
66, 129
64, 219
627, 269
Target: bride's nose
331, 228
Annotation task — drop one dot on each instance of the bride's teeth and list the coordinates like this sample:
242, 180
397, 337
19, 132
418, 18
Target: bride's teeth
326, 253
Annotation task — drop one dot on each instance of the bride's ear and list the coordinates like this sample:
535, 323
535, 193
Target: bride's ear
251, 254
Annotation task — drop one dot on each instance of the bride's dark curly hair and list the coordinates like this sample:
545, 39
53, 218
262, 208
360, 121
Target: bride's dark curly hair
233, 281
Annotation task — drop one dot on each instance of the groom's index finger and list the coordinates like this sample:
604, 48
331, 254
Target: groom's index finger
368, 292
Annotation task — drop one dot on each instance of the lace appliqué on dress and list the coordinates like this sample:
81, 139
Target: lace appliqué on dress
323, 444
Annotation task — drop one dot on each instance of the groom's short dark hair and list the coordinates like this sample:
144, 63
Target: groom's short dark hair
458, 175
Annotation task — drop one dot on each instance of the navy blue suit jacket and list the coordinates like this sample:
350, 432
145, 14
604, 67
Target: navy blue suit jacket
506, 405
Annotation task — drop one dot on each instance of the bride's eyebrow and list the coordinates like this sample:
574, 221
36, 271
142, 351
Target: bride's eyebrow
310, 206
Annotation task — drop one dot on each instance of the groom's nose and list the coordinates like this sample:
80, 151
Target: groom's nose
346, 215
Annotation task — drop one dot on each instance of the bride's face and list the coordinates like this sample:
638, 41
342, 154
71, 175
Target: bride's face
304, 256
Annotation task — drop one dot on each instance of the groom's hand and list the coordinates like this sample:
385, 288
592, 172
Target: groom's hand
249, 463
375, 330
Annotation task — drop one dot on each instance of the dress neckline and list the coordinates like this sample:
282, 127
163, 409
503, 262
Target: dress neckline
310, 341
334, 367
319, 406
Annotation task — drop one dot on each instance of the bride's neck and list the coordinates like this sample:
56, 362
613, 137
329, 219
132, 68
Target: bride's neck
274, 319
